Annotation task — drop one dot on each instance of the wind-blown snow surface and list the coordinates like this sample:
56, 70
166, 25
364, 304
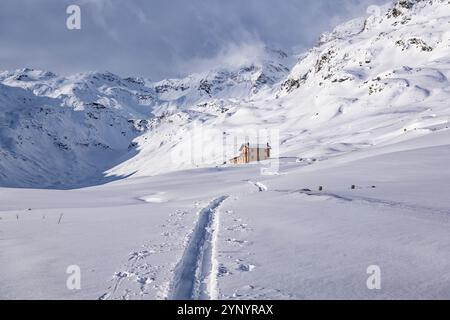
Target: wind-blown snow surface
284, 241
366, 107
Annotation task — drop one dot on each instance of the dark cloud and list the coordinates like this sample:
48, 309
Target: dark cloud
159, 38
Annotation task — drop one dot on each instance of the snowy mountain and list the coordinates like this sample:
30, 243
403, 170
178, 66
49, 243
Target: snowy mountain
77, 127
359, 207
242, 82
58, 131
373, 81
369, 82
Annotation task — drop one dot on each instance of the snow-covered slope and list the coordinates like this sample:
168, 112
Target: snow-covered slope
47, 143
363, 181
369, 82
373, 81
67, 131
247, 236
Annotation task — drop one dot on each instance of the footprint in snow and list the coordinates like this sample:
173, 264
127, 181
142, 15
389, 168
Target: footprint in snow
223, 271
122, 275
236, 242
249, 292
246, 267
241, 227
139, 255
144, 282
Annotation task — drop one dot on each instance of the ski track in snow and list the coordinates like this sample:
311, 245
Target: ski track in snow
195, 276
437, 213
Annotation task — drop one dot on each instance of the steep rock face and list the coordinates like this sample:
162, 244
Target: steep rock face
370, 81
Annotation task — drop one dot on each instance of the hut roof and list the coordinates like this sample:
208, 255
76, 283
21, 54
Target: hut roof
255, 146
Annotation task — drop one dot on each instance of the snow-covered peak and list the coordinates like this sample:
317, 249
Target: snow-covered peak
407, 32
224, 82
27, 75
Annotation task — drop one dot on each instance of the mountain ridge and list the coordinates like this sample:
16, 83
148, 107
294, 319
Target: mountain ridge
368, 82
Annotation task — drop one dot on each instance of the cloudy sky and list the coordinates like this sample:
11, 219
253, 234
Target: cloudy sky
160, 38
